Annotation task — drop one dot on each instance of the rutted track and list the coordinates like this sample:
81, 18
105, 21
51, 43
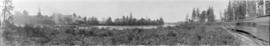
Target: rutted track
246, 38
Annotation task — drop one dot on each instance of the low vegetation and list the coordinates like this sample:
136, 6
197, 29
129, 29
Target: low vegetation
185, 34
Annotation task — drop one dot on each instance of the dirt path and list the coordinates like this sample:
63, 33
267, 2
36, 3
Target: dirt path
245, 40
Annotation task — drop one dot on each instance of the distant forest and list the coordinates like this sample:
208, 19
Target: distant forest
74, 19
125, 20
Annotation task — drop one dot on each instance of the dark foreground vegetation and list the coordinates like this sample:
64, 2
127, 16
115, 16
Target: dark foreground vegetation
185, 34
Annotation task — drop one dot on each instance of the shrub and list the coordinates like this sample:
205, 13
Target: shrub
194, 34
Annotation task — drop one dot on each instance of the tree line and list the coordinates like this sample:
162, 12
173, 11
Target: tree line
202, 16
125, 20
74, 19
239, 10
129, 20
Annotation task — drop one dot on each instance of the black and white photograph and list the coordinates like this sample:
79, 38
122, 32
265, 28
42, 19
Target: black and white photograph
134, 22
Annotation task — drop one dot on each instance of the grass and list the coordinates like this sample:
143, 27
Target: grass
185, 34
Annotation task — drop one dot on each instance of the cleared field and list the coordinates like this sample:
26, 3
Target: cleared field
185, 34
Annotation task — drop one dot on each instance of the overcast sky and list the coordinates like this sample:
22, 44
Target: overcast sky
170, 10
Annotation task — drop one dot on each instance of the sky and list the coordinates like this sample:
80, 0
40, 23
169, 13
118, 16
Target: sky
169, 10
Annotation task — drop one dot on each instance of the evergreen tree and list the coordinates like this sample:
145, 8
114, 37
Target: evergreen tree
161, 21
109, 21
194, 14
117, 21
236, 10
142, 21
210, 15
229, 12
6, 13
93, 21
202, 17
25, 12
240, 10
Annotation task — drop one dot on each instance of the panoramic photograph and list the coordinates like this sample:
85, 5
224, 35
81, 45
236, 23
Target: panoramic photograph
134, 22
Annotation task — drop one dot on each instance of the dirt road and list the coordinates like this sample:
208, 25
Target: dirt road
245, 40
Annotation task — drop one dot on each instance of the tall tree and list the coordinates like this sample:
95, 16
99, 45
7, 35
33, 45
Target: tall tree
117, 21
142, 21
161, 21
202, 16
93, 21
198, 13
194, 14
210, 15
25, 12
6, 13
109, 21
235, 10
240, 10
